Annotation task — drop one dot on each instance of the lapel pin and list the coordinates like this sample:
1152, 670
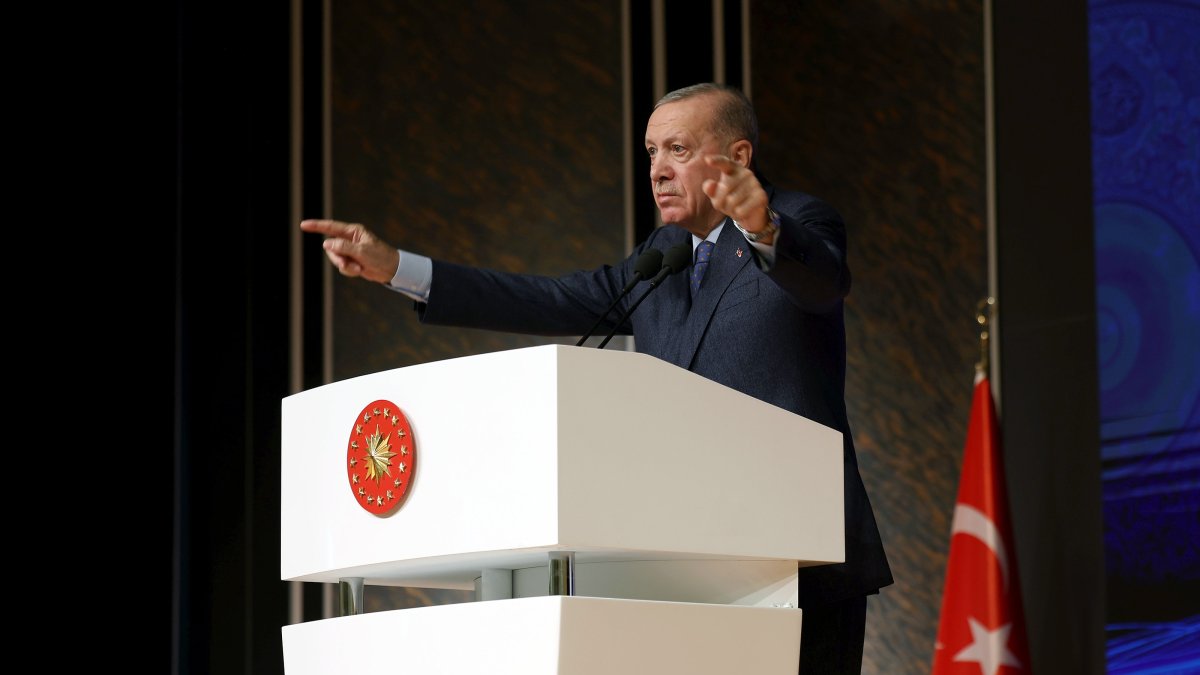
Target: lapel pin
739, 253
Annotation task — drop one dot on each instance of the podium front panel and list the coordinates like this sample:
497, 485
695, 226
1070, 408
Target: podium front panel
533, 450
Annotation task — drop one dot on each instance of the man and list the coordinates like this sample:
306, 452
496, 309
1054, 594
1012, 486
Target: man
766, 318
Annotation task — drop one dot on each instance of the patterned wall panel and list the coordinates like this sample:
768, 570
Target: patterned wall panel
484, 133
878, 107
457, 135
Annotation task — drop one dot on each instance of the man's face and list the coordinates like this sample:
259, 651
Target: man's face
678, 136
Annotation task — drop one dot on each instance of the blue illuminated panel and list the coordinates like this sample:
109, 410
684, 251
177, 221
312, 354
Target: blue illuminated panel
1145, 83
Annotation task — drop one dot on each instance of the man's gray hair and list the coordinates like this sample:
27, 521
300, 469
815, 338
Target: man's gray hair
734, 118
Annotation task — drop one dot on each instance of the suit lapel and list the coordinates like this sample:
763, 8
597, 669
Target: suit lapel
730, 256
671, 303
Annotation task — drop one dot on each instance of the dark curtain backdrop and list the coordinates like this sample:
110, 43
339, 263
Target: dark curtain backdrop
231, 114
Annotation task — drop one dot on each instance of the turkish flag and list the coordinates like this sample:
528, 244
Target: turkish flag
982, 627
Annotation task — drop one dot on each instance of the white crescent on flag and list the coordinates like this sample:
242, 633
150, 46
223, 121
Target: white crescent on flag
970, 520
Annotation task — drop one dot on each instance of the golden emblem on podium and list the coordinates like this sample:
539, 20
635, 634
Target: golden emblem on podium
381, 457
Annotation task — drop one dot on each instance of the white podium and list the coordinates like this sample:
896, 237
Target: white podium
678, 508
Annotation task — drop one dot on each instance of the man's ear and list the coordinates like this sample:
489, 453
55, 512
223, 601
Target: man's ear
742, 152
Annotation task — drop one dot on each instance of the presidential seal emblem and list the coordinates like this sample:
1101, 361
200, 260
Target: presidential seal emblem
381, 458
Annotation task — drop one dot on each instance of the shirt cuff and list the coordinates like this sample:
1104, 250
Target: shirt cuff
413, 277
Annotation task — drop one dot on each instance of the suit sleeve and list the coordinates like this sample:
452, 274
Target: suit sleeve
471, 297
810, 254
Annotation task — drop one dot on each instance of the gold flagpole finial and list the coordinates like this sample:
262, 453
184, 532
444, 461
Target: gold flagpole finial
983, 312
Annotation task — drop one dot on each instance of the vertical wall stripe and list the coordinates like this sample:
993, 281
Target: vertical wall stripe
328, 603
746, 49
296, 208
641, 76
327, 183
627, 183
658, 29
989, 136
295, 608
718, 39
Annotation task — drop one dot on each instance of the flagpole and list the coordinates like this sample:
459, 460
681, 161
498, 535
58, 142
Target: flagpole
983, 312
981, 629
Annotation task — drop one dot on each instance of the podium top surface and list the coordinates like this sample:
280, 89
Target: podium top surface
614, 455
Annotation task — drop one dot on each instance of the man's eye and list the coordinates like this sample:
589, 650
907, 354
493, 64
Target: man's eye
677, 149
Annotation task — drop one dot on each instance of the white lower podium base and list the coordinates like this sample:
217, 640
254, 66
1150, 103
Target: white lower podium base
552, 635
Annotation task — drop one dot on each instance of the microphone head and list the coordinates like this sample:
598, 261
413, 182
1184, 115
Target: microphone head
677, 258
648, 263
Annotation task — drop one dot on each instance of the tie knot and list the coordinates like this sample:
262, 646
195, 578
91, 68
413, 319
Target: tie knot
703, 253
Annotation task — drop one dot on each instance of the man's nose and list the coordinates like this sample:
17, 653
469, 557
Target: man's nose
659, 169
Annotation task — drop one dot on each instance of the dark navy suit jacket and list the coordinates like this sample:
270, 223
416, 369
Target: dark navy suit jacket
777, 335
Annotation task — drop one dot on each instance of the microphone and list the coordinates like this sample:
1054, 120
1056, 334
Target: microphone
675, 260
646, 265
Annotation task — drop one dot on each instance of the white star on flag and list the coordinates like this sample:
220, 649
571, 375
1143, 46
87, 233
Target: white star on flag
988, 648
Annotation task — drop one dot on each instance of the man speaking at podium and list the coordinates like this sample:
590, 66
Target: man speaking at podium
760, 311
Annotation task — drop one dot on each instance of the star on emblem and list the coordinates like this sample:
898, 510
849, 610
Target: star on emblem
379, 456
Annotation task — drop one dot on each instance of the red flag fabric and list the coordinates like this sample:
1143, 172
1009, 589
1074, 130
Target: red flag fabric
982, 627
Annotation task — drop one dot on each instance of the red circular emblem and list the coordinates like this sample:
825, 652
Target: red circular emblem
381, 457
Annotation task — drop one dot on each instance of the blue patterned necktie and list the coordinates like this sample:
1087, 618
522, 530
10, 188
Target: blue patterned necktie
703, 253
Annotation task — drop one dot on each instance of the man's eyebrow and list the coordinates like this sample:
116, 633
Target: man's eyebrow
675, 137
